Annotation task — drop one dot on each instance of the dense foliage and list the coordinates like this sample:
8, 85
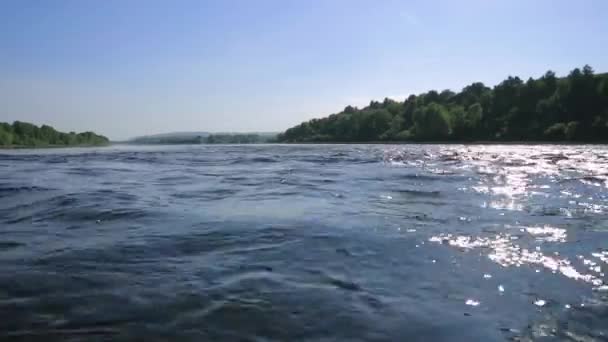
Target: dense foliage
23, 134
573, 108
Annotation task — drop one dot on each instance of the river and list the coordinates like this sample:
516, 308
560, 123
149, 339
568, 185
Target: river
305, 242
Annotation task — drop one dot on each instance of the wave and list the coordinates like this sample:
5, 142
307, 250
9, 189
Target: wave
7, 189
421, 193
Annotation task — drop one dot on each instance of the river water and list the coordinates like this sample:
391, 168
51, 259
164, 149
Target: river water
305, 242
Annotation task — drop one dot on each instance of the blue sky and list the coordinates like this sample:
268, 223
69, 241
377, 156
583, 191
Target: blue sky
128, 67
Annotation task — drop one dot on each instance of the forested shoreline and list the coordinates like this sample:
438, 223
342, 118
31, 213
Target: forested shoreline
205, 138
547, 109
24, 134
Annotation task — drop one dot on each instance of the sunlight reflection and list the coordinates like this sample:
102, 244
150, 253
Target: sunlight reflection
505, 252
547, 233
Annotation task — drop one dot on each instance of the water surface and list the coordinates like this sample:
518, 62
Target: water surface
305, 242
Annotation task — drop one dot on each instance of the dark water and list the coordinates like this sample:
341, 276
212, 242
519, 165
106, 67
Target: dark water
318, 243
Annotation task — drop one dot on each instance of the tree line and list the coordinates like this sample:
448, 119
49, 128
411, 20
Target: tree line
238, 138
169, 140
207, 138
572, 108
23, 134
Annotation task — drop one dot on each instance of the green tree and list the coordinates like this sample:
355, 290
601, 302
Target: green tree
465, 124
6, 135
556, 132
431, 122
571, 130
374, 124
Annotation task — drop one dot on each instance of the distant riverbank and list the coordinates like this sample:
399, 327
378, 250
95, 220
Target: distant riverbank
25, 147
26, 135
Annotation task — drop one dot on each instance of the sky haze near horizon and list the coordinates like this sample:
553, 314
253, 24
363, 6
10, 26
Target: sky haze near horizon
130, 68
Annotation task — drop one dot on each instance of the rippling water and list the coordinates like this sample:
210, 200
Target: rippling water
313, 242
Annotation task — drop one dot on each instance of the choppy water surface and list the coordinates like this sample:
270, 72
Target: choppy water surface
323, 242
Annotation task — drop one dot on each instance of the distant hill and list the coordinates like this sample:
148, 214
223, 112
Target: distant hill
24, 134
205, 138
171, 138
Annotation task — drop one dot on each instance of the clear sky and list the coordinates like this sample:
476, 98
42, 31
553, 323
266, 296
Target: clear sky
127, 67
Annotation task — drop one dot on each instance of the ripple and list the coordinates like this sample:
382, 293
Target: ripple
7, 189
304, 242
5, 245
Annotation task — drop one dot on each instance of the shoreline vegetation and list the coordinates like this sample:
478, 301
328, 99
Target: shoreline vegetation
567, 110
27, 135
195, 138
572, 109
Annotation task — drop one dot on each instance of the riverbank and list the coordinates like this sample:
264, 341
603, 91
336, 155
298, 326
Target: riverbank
26, 147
